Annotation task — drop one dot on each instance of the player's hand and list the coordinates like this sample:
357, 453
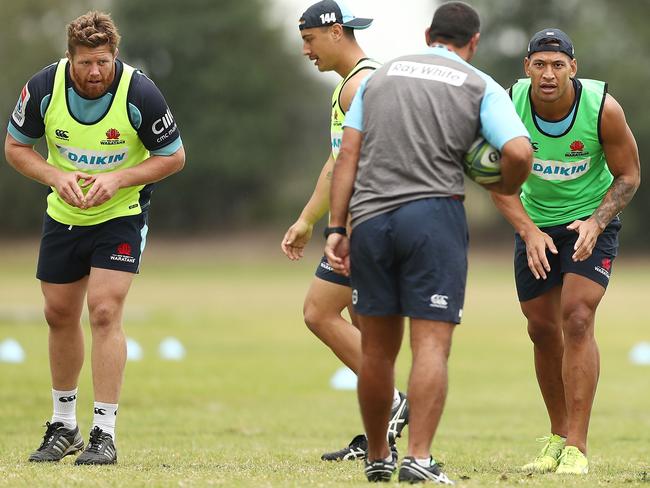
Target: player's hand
103, 189
69, 187
537, 242
337, 251
588, 232
294, 241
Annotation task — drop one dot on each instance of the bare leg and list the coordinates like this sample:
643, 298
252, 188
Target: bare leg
381, 338
322, 311
107, 290
545, 330
63, 307
581, 365
427, 391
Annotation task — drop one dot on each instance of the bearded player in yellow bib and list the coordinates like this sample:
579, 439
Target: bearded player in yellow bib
327, 29
585, 171
110, 136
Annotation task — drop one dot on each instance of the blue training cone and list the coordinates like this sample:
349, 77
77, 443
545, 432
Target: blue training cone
11, 351
133, 350
344, 379
640, 354
171, 349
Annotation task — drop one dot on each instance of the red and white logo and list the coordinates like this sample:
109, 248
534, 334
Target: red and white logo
606, 263
577, 146
21, 107
124, 249
112, 134
605, 267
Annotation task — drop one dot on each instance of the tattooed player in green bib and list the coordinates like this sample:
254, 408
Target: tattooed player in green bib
585, 171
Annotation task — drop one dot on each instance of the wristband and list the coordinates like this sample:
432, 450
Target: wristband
335, 230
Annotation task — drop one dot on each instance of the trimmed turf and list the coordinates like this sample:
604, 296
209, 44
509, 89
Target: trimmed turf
251, 403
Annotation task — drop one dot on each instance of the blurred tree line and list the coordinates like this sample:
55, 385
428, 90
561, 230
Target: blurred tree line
254, 120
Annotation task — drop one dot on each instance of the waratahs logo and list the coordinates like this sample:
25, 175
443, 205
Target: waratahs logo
124, 248
605, 267
607, 264
576, 148
112, 137
123, 254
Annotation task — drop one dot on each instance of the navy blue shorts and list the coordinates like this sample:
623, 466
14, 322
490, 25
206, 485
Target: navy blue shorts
325, 272
68, 252
412, 261
598, 267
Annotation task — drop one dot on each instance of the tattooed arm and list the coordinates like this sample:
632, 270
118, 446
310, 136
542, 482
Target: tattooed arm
623, 161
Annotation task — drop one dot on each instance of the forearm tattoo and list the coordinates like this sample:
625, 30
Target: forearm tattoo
617, 197
329, 175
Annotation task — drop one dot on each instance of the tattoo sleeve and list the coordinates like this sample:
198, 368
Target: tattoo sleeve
617, 197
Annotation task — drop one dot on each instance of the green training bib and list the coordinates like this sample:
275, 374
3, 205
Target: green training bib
338, 114
107, 145
570, 176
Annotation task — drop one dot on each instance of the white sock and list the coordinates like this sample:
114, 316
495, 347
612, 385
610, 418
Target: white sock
424, 462
396, 398
104, 417
64, 407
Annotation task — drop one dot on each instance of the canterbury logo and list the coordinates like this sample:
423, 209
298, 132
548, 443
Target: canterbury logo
67, 399
100, 411
439, 301
62, 134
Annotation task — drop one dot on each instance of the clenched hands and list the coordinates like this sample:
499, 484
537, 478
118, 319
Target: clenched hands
337, 250
69, 186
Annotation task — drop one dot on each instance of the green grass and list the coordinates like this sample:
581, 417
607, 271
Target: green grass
251, 404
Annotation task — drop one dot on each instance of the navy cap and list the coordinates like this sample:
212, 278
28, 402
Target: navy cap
551, 40
330, 12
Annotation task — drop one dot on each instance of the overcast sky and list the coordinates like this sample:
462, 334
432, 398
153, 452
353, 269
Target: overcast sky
398, 26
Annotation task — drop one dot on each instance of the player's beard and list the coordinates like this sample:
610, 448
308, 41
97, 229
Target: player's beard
92, 88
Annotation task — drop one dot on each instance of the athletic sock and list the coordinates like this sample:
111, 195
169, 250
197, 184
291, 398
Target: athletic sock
389, 458
396, 398
104, 417
424, 462
64, 407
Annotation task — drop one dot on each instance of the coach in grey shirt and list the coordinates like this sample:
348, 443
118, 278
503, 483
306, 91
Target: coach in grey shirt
400, 175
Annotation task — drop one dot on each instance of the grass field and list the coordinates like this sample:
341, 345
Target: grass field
251, 403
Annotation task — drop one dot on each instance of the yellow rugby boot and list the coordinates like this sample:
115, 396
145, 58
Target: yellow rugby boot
572, 461
548, 458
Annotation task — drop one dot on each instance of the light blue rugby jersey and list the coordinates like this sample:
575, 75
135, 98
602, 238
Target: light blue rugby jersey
499, 120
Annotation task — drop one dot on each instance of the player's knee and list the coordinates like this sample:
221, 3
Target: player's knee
58, 316
577, 322
102, 315
314, 317
543, 332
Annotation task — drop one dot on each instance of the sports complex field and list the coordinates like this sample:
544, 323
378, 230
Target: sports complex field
251, 405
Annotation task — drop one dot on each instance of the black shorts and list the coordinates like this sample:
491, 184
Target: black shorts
412, 261
598, 267
68, 252
325, 272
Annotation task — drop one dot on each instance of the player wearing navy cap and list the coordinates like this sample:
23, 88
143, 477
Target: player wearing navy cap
327, 29
585, 171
